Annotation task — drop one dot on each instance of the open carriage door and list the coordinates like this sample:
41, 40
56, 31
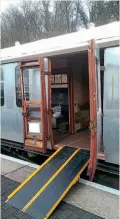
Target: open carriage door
35, 104
95, 105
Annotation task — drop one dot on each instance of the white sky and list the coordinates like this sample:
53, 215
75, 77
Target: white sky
6, 3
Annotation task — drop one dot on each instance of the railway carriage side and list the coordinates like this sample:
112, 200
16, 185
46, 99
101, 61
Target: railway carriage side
66, 99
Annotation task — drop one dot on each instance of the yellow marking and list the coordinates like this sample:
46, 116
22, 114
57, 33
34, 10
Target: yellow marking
66, 191
49, 181
33, 174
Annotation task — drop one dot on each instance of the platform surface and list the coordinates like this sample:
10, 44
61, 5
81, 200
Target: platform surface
64, 210
87, 199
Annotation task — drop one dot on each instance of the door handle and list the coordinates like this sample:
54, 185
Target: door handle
24, 113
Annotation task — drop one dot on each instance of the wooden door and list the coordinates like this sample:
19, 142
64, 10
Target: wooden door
34, 104
93, 108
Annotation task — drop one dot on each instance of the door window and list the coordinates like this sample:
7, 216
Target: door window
18, 86
2, 86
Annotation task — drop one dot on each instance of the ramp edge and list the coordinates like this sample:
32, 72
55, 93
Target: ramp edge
66, 191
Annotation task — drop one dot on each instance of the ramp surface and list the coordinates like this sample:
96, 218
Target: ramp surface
43, 191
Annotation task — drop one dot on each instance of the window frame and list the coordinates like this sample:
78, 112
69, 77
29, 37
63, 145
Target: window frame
2, 82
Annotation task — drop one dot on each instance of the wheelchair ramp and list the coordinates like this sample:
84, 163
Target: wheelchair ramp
43, 190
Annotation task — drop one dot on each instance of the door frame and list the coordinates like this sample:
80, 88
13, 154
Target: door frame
71, 102
93, 108
50, 103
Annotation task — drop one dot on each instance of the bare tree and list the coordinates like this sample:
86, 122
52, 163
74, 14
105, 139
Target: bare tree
34, 20
23, 24
103, 12
68, 16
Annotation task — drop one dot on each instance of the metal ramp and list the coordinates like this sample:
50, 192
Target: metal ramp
44, 189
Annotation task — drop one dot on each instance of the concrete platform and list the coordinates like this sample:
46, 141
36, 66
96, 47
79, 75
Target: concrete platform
16, 169
85, 198
64, 210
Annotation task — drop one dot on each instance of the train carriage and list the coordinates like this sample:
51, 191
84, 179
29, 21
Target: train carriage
63, 91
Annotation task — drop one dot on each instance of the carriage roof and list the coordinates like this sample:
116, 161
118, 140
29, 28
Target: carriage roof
105, 36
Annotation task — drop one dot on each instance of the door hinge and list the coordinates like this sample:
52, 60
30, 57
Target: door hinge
94, 96
93, 124
25, 114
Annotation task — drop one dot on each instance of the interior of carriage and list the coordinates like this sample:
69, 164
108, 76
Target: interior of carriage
70, 100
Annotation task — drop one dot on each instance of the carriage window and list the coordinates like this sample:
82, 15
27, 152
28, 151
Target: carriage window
2, 86
18, 86
26, 80
111, 78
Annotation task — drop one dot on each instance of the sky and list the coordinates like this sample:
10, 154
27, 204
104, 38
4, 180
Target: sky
6, 3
